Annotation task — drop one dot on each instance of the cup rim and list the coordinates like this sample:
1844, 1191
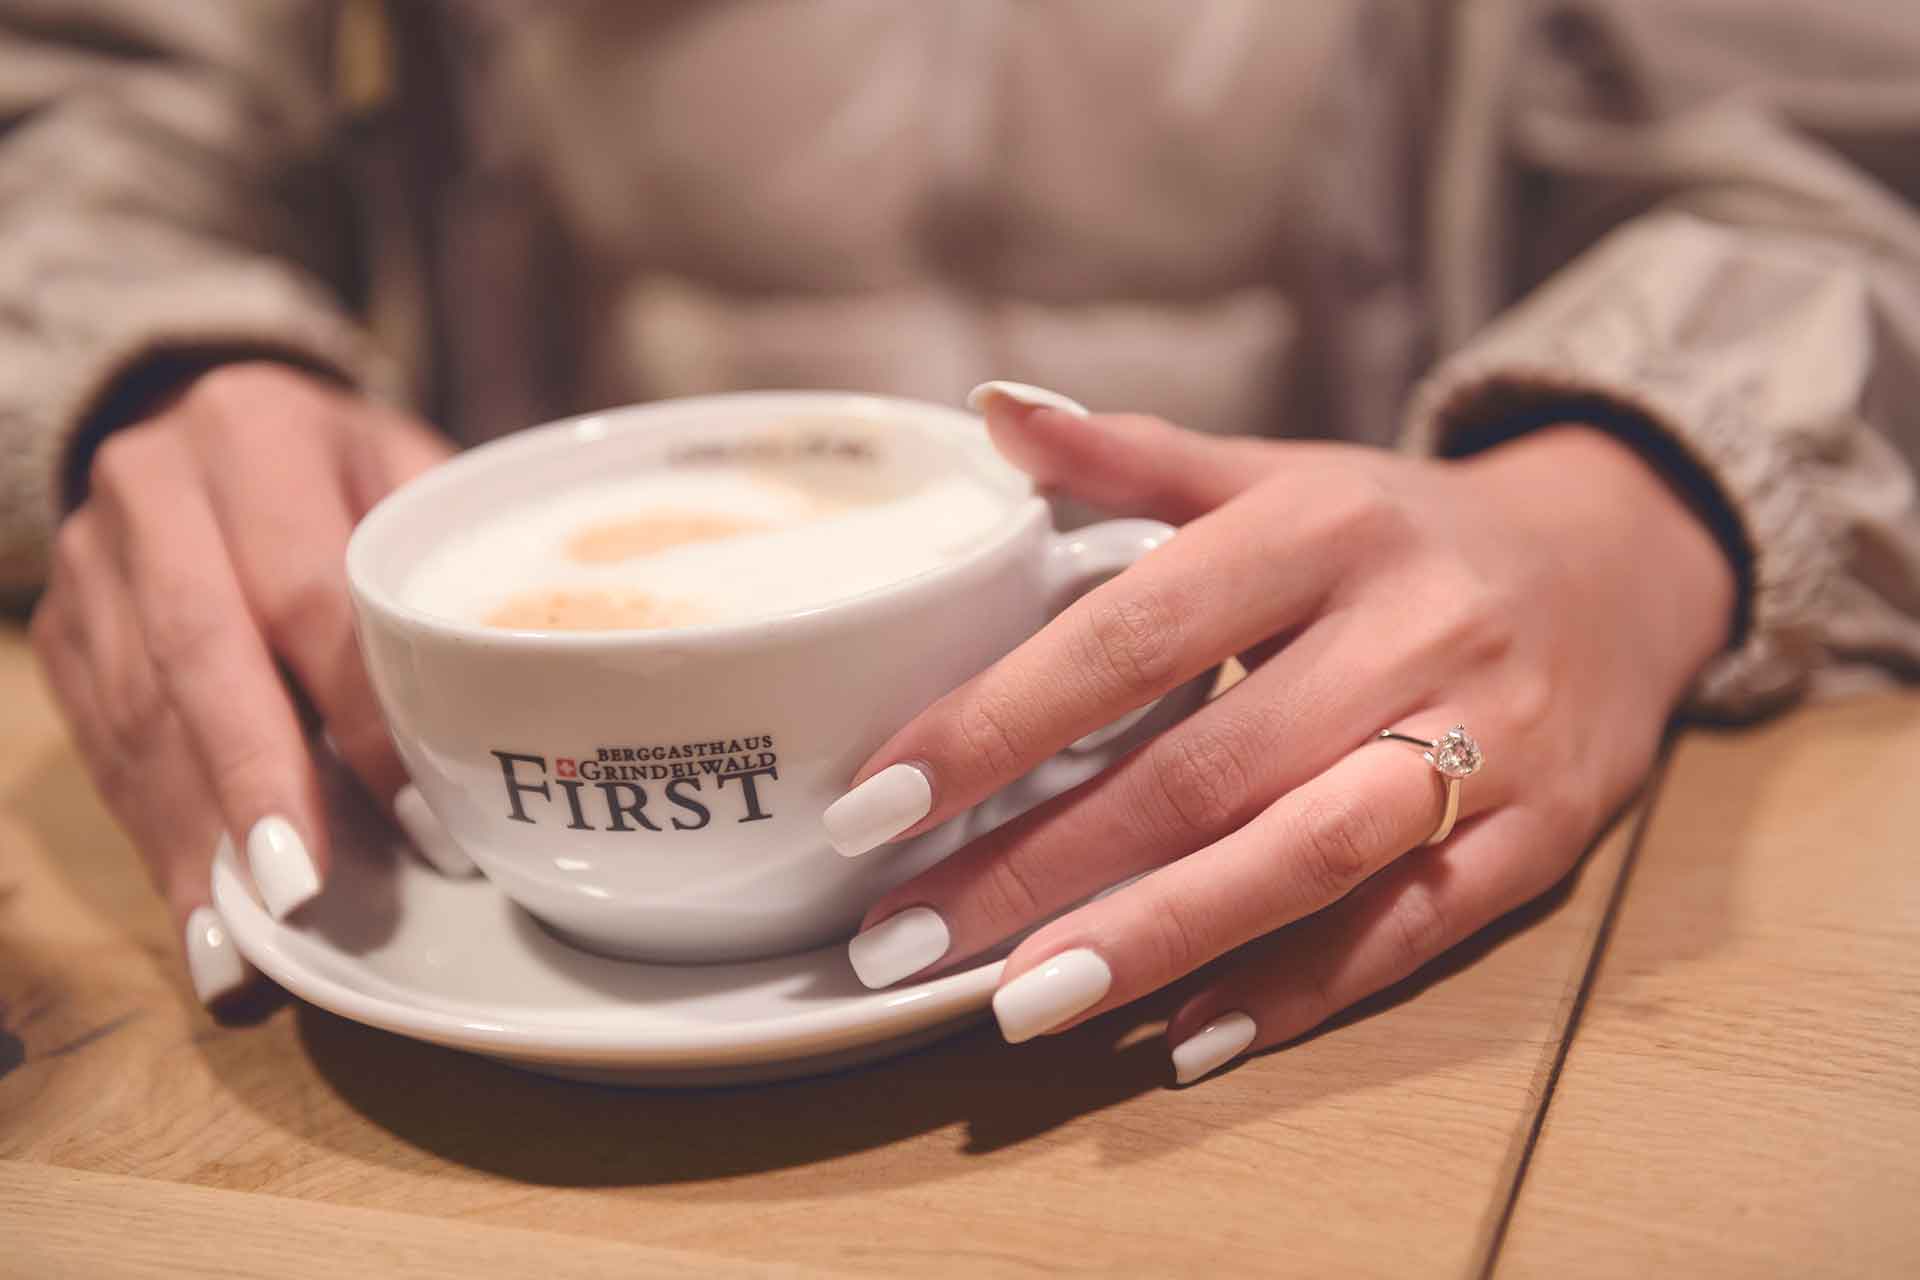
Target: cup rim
1023, 510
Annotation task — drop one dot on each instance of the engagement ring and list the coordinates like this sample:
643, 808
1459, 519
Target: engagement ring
1453, 757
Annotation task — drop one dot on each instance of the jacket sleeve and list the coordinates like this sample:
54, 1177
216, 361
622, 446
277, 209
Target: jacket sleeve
169, 192
1752, 322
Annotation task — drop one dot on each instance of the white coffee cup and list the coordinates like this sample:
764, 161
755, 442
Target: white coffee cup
657, 794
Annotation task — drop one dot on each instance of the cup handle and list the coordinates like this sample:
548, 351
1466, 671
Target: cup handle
1083, 559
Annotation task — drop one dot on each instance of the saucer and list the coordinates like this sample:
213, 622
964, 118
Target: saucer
395, 945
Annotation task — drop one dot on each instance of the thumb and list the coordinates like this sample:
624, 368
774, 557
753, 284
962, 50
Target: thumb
1122, 463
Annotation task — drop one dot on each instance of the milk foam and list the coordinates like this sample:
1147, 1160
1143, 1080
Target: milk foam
813, 545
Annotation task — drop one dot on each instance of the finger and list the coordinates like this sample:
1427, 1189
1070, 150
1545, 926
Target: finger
384, 449
1342, 680
166, 806
54, 634
286, 523
1210, 593
115, 684
1194, 783
211, 662
387, 448
289, 530
1129, 464
1424, 905
1309, 849
73, 636
149, 779
153, 781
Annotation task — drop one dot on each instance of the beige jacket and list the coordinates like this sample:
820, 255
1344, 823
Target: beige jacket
1694, 220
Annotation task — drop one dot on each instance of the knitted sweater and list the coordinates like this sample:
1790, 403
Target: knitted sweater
1690, 221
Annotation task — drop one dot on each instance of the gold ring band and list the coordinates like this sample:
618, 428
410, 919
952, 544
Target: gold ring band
1454, 755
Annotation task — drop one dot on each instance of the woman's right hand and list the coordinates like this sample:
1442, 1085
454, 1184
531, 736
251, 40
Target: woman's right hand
204, 571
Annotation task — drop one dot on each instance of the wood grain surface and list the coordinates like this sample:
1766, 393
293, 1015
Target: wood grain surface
1383, 1146
1742, 1096
99, 1226
1390, 1144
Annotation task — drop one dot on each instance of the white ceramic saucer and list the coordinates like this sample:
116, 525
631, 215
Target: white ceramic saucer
395, 945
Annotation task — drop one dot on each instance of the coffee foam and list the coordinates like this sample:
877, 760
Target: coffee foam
699, 543
616, 540
595, 609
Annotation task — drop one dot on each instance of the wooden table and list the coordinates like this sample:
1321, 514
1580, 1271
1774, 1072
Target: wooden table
1699, 1056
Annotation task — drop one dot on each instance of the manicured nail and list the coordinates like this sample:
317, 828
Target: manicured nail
878, 809
1025, 394
213, 962
900, 945
429, 838
1212, 1046
283, 870
1043, 998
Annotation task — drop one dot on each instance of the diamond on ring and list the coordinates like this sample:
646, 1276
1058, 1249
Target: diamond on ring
1456, 755
1453, 756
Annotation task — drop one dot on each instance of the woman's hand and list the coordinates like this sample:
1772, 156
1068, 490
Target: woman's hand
206, 563
1551, 594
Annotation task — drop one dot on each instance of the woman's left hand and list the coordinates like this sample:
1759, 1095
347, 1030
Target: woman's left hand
1552, 595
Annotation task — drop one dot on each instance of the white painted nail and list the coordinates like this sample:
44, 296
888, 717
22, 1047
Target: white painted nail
213, 962
1043, 998
283, 870
430, 839
899, 946
878, 809
1212, 1046
1023, 393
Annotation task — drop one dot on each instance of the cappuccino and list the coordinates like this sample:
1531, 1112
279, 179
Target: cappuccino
657, 793
703, 543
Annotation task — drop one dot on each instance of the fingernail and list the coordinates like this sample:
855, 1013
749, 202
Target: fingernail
213, 962
283, 870
878, 809
1024, 394
1041, 999
429, 837
1212, 1046
900, 945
